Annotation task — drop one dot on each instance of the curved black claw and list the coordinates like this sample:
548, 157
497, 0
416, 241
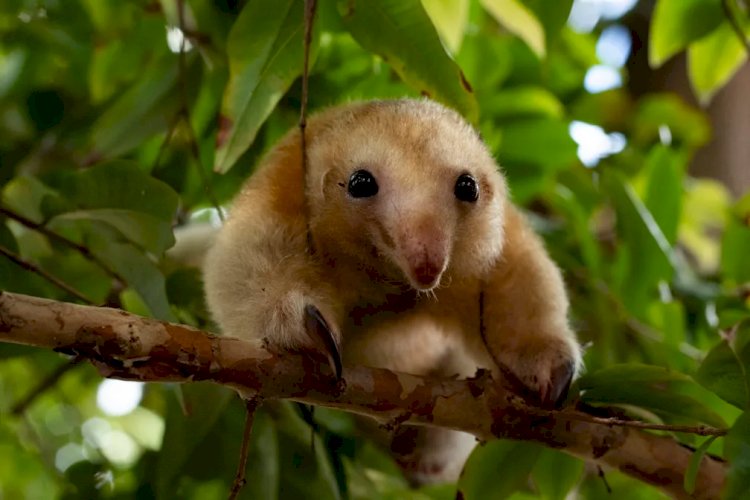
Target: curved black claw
559, 385
322, 336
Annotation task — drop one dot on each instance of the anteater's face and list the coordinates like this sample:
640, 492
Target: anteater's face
406, 187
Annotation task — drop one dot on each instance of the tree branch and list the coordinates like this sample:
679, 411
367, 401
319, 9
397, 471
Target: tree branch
126, 346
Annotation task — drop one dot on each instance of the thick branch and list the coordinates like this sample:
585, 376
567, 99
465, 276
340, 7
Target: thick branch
126, 346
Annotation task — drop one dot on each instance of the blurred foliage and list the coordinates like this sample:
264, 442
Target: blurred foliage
109, 138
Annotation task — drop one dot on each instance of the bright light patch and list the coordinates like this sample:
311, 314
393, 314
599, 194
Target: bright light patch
613, 46
665, 135
118, 397
175, 38
600, 78
594, 143
119, 448
585, 14
211, 214
68, 455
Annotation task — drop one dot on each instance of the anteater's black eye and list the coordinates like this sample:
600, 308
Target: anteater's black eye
466, 188
362, 184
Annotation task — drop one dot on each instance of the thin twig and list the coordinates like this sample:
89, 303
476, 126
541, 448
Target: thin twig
735, 23
44, 274
43, 229
239, 479
49, 381
310, 6
184, 113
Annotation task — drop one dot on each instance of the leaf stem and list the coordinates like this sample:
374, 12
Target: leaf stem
17, 259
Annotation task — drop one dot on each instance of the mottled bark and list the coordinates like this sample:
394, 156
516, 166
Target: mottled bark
122, 345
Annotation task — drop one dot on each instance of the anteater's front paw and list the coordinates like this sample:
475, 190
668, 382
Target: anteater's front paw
542, 373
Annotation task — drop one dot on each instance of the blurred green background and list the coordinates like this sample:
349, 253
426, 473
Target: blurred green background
622, 126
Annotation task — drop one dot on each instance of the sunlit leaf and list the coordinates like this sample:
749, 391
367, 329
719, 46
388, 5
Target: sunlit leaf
713, 60
676, 23
514, 16
403, 35
450, 18
265, 57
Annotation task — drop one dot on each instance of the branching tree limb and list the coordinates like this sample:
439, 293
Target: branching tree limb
126, 346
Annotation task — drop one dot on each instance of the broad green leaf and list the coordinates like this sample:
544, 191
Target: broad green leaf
691, 474
24, 194
555, 474
552, 15
704, 210
307, 471
737, 452
514, 16
653, 388
713, 60
145, 230
735, 264
677, 23
140, 273
685, 124
204, 404
450, 18
644, 251
514, 460
403, 35
664, 172
525, 101
121, 195
539, 141
142, 111
118, 185
265, 57
722, 372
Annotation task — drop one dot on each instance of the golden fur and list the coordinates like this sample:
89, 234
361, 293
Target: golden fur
363, 276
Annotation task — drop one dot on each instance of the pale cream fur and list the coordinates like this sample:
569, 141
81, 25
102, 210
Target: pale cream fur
259, 276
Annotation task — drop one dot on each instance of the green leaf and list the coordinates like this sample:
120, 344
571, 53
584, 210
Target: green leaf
403, 35
644, 251
479, 479
523, 101
120, 194
650, 387
556, 474
735, 264
142, 111
686, 124
140, 273
265, 57
514, 16
118, 184
677, 23
544, 142
664, 170
723, 373
450, 18
737, 452
713, 60
204, 404
691, 474
306, 474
